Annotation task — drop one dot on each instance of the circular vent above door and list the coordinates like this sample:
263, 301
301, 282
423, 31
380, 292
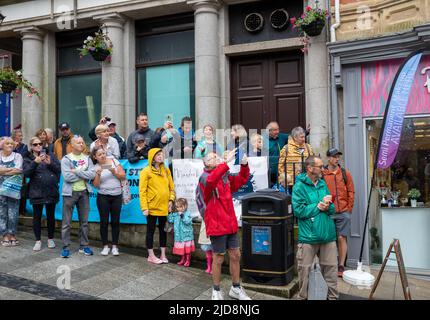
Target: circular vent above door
279, 19
253, 22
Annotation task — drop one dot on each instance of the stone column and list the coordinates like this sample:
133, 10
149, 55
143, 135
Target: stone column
113, 71
317, 89
32, 69
207, 66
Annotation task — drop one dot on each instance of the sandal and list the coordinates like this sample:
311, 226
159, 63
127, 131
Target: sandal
5, 243
14, 243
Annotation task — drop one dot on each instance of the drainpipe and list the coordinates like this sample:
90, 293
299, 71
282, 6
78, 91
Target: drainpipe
52, 9
75, 9
337, 24
334, 119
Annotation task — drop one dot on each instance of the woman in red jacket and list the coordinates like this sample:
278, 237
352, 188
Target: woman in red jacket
217, 185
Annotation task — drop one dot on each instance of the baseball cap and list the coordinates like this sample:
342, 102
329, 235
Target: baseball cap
332, 152
139, 137
108, 123
63, 125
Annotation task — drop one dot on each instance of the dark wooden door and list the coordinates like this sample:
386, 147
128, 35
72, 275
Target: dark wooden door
268, 88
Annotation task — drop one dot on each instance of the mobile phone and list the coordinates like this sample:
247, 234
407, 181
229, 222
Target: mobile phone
108, 119
106, 166
42, 152
169, 117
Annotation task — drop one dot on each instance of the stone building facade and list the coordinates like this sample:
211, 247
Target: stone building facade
41, 37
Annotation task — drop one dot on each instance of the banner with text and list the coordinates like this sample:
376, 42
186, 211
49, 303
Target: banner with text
130, 213
186, 173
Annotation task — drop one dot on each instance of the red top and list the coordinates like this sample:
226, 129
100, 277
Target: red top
218, 185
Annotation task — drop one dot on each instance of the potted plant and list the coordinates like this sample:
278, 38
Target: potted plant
312, 21
12, 81
414, 194
100, 46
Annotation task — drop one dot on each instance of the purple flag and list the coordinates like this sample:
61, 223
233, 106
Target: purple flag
395, 111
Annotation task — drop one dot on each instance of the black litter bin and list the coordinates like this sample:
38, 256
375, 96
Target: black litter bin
267, 238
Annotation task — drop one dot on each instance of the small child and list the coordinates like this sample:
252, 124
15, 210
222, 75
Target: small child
205, 244
183, 232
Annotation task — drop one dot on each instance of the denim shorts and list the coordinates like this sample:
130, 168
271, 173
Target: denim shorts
222, 243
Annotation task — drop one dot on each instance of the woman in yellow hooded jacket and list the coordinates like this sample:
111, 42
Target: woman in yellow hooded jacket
156, 195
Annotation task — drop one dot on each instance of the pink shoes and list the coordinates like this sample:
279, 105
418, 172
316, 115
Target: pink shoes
209, 260
181, 263
187, 260
155, 260
164, 260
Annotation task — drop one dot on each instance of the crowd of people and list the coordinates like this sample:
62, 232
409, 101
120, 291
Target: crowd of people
322, 196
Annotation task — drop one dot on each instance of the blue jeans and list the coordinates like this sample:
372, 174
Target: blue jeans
9, 209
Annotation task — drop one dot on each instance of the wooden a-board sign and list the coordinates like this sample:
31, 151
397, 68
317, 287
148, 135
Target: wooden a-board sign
395, 244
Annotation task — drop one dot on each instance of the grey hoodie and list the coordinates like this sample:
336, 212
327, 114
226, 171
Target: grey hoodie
69, 177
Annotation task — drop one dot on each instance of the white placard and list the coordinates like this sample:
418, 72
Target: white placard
186, 174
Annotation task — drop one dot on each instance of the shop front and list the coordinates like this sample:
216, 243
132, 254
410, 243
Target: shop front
400, 201
401, 205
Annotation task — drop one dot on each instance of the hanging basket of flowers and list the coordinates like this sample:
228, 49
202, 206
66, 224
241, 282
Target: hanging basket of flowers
12, 81
314, 28
99, 47
311, 22
7, 86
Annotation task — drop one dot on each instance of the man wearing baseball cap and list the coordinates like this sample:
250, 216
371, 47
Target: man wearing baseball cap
341, 186
112, 131
63, 145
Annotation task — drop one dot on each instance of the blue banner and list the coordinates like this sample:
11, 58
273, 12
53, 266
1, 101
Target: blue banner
4, 114
130, 212
395, 111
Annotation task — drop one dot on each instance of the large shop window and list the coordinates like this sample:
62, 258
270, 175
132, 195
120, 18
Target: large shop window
78, 84
165, 69
410, 169
167, 92
79, 102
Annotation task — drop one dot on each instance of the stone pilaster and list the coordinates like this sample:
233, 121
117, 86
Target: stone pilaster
32, 68
113, 71
207, 65
317, 86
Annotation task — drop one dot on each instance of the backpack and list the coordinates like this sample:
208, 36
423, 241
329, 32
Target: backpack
200, 200
345, 179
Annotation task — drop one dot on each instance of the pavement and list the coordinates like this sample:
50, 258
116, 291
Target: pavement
28, 275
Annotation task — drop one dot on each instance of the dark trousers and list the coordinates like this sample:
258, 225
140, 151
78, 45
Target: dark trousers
151, 222
273, 178
37, 219
23, 199
109, 206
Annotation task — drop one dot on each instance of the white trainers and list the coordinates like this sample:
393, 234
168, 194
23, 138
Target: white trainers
238, 293
115, 251
105, 251
51, 244
217, 295
37, 246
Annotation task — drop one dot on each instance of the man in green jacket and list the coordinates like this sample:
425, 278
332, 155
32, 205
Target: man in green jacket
312, 205
277, 141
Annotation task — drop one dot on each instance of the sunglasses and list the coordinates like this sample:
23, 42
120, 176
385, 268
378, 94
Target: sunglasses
37, 144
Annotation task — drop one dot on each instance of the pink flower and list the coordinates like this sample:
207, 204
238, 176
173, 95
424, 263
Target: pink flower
29, 95
293, 20
308, 8
303, 16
